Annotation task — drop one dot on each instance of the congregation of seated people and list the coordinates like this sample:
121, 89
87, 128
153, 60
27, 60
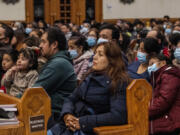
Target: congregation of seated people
86, 69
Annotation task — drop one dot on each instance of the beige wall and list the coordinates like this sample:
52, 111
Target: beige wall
114, 9
12, 12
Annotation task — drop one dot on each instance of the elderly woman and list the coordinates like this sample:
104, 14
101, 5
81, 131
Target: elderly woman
100, 100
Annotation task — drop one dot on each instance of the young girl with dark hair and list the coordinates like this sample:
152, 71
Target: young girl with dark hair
23, 74
9, 59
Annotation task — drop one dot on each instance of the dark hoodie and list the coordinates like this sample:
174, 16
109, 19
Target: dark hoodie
165, 105
57, 77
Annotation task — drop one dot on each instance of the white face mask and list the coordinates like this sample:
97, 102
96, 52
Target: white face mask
152, 68
14, 28
175, 31
84, 30
102, 40
177, 54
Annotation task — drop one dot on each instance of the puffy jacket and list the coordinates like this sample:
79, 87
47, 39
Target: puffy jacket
165, 105
94, 93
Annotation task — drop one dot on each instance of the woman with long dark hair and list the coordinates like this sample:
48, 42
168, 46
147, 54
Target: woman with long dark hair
100, 100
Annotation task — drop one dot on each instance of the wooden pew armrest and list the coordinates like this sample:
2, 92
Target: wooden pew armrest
108, 130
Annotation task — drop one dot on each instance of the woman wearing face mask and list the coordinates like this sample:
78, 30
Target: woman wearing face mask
78, 50
92, 38
176, 61
138, 69
165, 104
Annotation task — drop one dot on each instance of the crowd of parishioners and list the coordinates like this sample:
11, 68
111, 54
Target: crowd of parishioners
85, 70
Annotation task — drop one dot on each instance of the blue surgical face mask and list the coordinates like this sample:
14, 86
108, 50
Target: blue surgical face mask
84, 30
74, 54
141, 57
168, 31
177, 54
91, 41
152, 68
28, 30
102, 40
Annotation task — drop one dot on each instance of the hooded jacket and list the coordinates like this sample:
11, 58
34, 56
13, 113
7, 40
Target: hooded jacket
57, 77
165, 105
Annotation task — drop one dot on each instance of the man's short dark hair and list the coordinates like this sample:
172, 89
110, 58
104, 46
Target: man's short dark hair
151, 45
9, 33
55, 34
115, 31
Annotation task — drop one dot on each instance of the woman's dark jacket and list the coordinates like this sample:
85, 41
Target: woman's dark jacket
94, 93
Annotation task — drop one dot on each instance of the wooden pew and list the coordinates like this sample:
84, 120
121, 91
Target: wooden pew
139, 93
34, 110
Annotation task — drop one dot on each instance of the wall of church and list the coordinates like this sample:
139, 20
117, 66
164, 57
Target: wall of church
114, 9
12, 12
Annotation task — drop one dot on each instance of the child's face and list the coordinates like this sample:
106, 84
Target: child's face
22, 63
7, 62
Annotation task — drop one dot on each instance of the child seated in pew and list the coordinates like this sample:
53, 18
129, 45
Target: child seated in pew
33, 43
9, 59
23, 74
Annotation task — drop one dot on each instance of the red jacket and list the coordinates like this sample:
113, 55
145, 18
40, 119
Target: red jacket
165, 105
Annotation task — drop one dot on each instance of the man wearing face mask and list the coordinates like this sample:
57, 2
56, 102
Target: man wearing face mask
109, 32
65, 28
164, 106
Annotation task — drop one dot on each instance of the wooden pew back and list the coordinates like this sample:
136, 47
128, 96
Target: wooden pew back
138, 94
34, 110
